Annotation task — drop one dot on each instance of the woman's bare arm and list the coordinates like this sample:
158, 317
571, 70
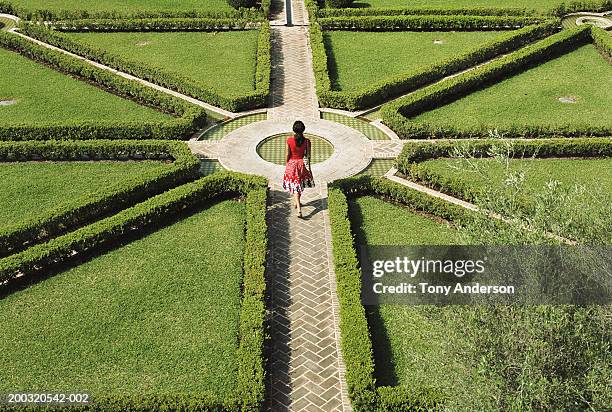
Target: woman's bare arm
288, 152
308, 153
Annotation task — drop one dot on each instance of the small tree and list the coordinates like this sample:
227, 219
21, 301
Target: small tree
242, 3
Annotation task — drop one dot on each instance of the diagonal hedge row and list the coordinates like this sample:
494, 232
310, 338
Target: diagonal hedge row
102, 235
396, 114
80, 211
53, 15
409, 162
426, 23
190, 116
393, 87
356, 343
183, 84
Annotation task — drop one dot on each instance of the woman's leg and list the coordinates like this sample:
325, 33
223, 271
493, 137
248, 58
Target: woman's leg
298, 196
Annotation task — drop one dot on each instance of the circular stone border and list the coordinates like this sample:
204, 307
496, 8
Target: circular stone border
283, 136
352, 150
598, 21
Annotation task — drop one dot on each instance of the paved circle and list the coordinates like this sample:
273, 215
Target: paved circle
352, 150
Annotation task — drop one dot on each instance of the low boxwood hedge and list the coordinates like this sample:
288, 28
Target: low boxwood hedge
152, 24
428, 11
396, 114
189, 116
180, 83
356, 343
99, 236
409, 161
53, 15
386, 89
77, 212
426, 23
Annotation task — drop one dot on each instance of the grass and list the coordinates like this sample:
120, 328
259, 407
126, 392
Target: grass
31, 188
353, 55
580, 74
122, 6
157, 316
274, 149
413, 345
539, 5
594, 174
224, 61
45, 96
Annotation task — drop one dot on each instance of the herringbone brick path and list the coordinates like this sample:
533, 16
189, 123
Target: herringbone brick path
306, 369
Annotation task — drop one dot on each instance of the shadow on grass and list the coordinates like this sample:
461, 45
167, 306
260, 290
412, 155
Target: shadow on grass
35, 277
384, 368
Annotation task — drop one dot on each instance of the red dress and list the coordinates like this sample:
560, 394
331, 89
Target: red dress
297, 176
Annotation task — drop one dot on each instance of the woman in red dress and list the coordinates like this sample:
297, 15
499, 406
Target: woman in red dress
297, 176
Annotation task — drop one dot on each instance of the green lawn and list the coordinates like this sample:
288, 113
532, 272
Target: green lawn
540, 5
413, 345
352, 55
123, 6
594, 174
532, 97
224, 61
158, 316
44, 96
32, 188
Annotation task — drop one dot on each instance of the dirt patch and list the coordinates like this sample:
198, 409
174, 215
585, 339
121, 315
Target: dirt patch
437, 41
7, 102
568, 99
143, 43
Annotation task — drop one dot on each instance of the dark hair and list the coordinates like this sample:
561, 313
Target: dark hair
298, 129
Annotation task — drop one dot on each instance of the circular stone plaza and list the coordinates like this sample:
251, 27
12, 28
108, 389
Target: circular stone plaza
150, 259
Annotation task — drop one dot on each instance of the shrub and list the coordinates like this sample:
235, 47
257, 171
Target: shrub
75, 213
338, 3
242, 3
426, 23
190, 117
150, 24
396, 114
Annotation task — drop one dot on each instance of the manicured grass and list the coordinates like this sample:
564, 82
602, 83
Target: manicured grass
44, 96
413, 345
123, 6
594, 174
224, 61
158, 316
539, 5
532, 97
353, 55
31, 188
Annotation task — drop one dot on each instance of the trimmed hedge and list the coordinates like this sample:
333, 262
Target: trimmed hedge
426, 23
50, 15
190, 117
428, 11
102, 235
602, 42
151, 24
560, 10
131, 190
384, 90
183, 84
396, 114
409, 161
356, 343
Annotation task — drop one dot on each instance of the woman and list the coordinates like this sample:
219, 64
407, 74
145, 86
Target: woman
297, 176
